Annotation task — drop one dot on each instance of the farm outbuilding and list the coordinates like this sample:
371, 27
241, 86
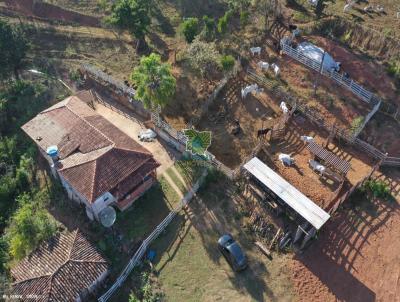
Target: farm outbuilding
308, 216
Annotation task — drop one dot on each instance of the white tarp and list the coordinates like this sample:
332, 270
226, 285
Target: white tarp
316, 53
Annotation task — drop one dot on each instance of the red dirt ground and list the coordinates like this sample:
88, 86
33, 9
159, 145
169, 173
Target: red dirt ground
356, 257
333, 103
320, 190
366, 72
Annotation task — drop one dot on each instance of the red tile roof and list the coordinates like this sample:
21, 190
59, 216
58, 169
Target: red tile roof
60, 269
95, 155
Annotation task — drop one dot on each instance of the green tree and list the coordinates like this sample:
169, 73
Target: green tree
29, 226
227, 62
190, 28
209, 27
154, 81
132, 15
13, 48
203, 56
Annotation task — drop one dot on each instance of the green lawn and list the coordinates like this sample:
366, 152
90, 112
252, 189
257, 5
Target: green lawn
189, 266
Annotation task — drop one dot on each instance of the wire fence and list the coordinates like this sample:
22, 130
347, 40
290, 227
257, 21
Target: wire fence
135, 260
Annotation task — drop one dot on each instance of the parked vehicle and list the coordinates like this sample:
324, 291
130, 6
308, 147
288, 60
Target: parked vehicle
232, 252
147, 135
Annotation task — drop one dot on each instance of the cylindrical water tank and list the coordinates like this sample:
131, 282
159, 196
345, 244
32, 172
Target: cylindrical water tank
52, 151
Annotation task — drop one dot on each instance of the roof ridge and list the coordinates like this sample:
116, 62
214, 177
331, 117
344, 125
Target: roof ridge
86, 121
33, 278
136, 151
94, 176
94, 159
73, 244
88, 261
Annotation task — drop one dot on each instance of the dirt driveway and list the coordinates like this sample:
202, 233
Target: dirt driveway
163, 154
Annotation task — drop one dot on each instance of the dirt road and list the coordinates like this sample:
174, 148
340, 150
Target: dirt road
164, 155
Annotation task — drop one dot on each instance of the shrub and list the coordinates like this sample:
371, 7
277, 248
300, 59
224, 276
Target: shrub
244, 18
223, 22
378, 188
393, 69
227, 62
209, 27
29, 226
190, 28
203, 56
356, 123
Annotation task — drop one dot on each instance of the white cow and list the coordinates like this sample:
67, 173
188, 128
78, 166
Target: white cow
307, 139
348, 6
255, 50
379, 8
284, 107
245, 91
275, 68
398, 15
285, 159
316, 166
368, 8
263, 65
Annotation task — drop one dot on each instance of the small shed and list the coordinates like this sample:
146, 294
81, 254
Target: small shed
296, 200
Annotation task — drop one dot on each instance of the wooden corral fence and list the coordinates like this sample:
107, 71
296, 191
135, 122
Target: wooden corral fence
135, 260
204, 107
362, 93
121, 92
279, 129
358, 185
313, 116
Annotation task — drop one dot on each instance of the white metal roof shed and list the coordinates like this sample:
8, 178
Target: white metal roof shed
289, 194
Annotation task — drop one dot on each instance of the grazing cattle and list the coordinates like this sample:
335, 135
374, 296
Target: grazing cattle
316, 166
245, 91
263, 65
275, 68
285, 159
307, 139
284, 107
255, 50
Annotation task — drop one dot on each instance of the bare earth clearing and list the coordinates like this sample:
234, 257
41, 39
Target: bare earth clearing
356, 256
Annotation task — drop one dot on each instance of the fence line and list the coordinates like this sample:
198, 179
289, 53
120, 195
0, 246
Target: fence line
348, 83
135, 260
367, 118
342, 199
364, 94
344, 134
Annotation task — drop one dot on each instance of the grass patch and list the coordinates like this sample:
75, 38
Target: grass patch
171, 195
145, 214
171, 173
190, 170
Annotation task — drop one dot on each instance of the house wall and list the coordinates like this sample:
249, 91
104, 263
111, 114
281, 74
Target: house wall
102, 202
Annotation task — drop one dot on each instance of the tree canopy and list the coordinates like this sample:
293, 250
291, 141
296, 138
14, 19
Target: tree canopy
13, 48
155, 84
131, 15
203, 56
190, 28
